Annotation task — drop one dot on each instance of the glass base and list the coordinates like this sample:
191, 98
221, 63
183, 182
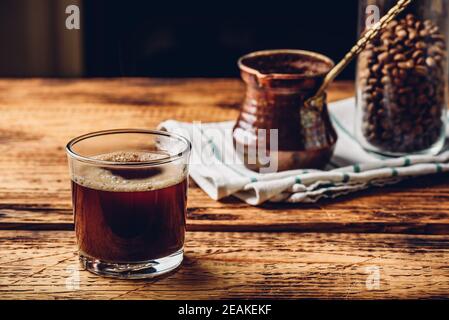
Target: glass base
434, 150
140, 270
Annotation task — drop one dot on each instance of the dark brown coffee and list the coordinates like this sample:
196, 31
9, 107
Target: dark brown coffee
131, 215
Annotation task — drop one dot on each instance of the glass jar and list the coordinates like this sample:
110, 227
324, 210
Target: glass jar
402, 79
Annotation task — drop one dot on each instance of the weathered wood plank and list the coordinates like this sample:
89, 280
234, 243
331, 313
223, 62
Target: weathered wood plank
39, 116
43, 265
387, 210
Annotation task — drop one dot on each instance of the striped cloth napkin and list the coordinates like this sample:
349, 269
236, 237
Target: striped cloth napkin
214, 169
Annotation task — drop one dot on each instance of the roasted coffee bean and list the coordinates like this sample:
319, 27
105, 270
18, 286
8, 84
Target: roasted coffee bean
422, 71
417, 54
383, 57
402, 75
375, 68
420, 61
385, 80
410, 64
399, 57
412, 34
421, 45
402, 34
431, 62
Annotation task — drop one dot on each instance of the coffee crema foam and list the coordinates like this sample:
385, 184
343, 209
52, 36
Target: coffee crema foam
129, 179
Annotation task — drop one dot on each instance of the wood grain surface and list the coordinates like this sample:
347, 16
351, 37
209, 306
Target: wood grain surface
43, 265
38, 117
326, 250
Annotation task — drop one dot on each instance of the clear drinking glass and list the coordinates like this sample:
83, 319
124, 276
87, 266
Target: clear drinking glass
129, 194
402, 79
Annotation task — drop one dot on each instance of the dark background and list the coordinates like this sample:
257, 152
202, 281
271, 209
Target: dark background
185, 39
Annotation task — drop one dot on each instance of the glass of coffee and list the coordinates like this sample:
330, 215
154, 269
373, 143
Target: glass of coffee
129, 194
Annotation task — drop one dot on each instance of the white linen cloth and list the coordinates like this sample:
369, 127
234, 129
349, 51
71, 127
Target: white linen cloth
351, 169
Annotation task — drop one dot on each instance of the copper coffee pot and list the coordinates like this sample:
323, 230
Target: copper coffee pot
279, 82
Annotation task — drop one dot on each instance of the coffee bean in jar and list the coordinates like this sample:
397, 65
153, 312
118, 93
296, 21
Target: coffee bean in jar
402, 88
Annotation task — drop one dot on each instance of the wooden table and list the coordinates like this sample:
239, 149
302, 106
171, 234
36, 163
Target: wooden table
335, 249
